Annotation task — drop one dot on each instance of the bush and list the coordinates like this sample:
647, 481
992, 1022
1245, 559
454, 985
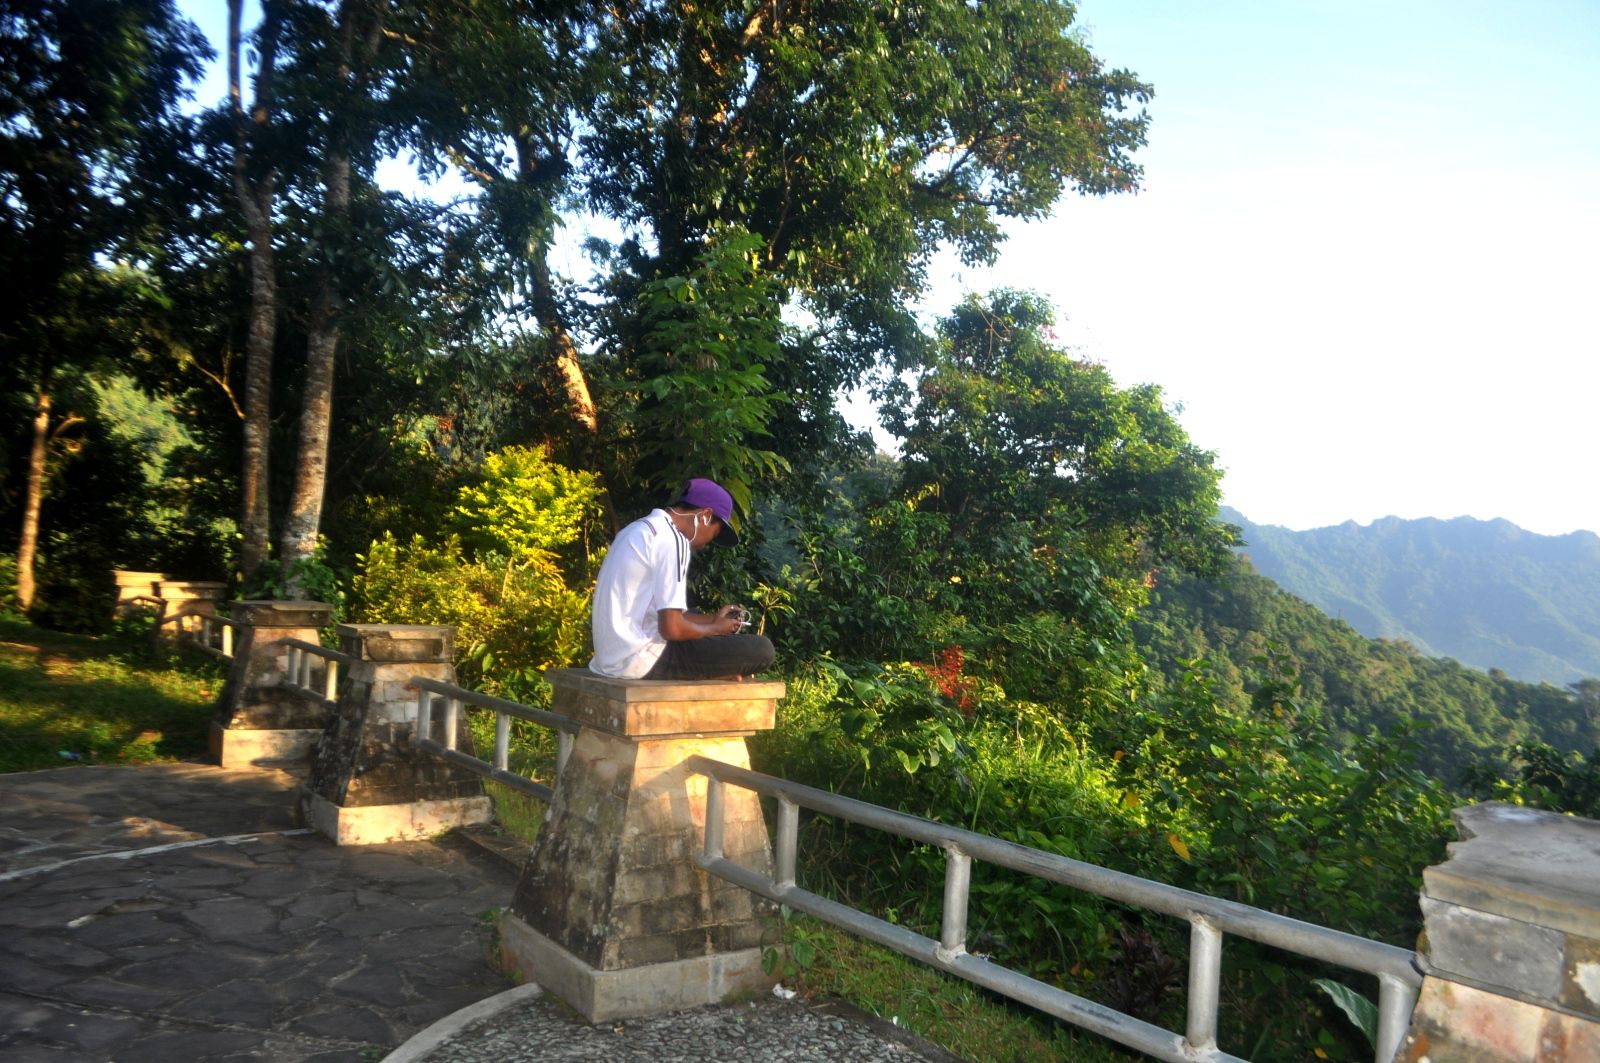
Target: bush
512, 620
503, 578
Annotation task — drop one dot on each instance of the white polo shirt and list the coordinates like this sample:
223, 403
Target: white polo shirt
645, 571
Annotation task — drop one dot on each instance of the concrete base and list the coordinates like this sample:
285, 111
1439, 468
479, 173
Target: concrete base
248, 748
634, 992
377, 824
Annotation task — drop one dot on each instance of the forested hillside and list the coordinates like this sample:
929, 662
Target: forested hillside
1486, 593
1359, 682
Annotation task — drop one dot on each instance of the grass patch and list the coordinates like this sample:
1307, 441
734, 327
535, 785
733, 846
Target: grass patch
520, 815
966, 1020
101, 699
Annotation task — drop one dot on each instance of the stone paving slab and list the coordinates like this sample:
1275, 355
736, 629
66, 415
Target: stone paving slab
177, 912
49, 816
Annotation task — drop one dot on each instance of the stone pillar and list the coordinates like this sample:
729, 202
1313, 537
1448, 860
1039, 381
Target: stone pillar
1511, 942
188, 600
259, 721
368, 783
131, 585
611, 913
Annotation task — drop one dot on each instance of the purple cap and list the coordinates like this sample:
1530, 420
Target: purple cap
708, 494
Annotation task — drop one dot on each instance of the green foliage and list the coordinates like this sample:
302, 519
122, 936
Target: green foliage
69, 699
795, 949
314, 578
512, 579
526, 507
1256, 804
1542, 777
705, 339
1011, 428
513, 619
1463, 714
1362, 1012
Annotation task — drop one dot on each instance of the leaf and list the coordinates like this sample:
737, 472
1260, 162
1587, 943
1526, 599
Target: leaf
1130, 799
1178, 846
1361, 1011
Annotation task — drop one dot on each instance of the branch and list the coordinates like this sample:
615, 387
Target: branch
222, 380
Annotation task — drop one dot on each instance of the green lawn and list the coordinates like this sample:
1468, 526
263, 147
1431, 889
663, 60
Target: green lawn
100, 700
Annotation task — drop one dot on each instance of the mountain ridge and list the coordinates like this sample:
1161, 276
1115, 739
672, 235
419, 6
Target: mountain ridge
1487, 593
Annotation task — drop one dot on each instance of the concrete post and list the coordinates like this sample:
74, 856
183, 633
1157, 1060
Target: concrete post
1511, 942
610, 912
188, 600
131, 585
259, 721
368, 783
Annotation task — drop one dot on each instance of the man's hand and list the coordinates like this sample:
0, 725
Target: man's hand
679, 626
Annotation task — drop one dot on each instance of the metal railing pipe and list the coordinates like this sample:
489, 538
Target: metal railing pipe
1396, 1001
544, 717
1269, 928
714, 823
452, 714
517, 782
957, 884
1205, 980
787, 843
1124, 1029
502, 741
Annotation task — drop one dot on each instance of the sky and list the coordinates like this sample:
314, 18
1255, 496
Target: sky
1363, 257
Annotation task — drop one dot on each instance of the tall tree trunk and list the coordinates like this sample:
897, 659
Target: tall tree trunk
256, 200
28, 546
300, 526
547, 311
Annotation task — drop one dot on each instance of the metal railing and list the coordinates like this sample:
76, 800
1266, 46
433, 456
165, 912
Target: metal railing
206, 632
431, 690
216, 635
1208, 918
301, 677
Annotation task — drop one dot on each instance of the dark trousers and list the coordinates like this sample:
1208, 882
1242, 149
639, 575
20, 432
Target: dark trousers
714, 658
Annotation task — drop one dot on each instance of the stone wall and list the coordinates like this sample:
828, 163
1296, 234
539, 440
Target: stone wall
1511, 942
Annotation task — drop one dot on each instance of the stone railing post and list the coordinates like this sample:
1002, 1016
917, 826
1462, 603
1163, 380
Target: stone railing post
188, 600
368, 783
259, 721
1511, 942
611, 913
131, 585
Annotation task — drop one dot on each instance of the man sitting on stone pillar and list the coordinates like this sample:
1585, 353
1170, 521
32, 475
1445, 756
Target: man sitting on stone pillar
643, 628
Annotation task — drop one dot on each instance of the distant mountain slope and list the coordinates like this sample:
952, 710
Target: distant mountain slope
1486, 593
1239, 620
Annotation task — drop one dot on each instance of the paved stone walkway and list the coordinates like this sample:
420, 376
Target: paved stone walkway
175, 912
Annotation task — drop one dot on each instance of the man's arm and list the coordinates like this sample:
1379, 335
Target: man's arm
676, 625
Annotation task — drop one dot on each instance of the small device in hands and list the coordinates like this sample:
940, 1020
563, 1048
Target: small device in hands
741, 614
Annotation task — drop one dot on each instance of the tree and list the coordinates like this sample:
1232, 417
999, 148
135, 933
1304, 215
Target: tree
256, 194
84, 84
1008, 427
355, 28
495, 88
854, 139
